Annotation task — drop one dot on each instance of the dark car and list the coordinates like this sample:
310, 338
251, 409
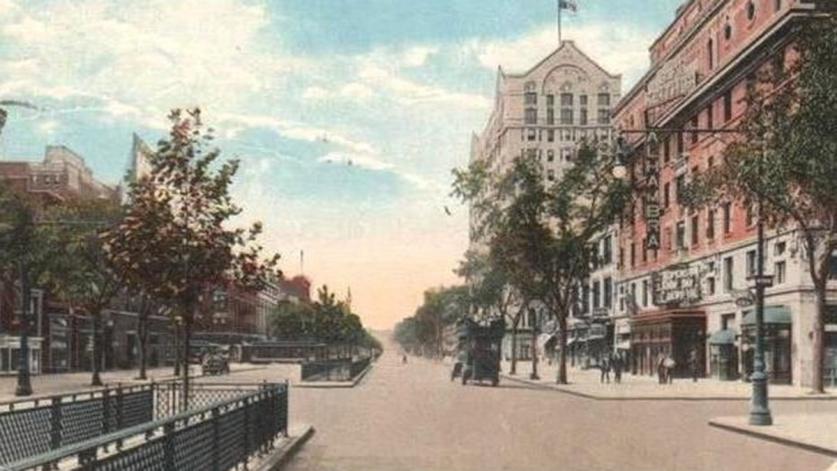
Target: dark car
215, 364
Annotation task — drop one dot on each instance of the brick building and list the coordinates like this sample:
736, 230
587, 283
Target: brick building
682, 271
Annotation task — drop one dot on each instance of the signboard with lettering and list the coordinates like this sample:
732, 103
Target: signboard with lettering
651, 197
674, 79
677, 285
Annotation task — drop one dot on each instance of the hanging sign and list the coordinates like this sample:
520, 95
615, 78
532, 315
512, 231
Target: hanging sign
651, 196
676, 285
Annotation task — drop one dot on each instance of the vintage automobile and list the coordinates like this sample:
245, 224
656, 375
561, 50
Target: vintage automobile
215, 363
481, 347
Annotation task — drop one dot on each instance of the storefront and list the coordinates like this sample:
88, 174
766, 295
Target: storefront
723, 355
10, 354
674, 332
777, 343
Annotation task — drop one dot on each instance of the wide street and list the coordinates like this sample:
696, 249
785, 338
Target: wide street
411, 417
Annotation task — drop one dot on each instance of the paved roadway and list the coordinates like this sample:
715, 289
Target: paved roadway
412, 418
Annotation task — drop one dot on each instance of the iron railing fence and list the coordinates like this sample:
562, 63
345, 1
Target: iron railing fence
217, 437
333, 370
33, 426
169, 395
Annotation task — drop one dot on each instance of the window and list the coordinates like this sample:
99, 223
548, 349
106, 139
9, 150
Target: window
607, 251
680, 145
777, 5
644, 293
779, 248
550, 100
727, 321
633, 255
727, 208
751, 10
751, 215
709, 118
710, 162
695, 228
550, 135
550, 116
531, 98
727, 32
585, 298
728, 105
680, 187
533, 134
604, 99
608, 292
710, 224
681, 235
550, 175
566, 116
644, 250
667, 150
710, 54
710, 285
583, 117
567, 99
779, 272
751, 263
550, 155
832, 266
694, 133
604, 116
728, 279
531, 116
582, 100
596, 289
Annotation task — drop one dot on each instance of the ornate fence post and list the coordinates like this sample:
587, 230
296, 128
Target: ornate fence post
168, 446
216, 445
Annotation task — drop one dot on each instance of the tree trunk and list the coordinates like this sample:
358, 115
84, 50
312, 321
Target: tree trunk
534, 374
96, 380
562, 354
177, 352
187, 334
513, 370
818, 336
142, 338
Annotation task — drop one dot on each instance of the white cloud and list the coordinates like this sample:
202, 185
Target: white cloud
417, 56
360, 160
619, 48
47, 127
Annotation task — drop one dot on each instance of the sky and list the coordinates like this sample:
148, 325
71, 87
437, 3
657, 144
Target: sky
347, 115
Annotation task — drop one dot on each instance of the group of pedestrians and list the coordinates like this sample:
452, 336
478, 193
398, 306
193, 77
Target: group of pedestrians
666, 364
614, 362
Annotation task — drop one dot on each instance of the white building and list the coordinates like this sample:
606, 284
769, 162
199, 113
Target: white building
546, 112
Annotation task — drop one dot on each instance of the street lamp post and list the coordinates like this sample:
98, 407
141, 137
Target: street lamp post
759, 408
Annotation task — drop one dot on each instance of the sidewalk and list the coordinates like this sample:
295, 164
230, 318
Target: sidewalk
812, 432
51, 384
585, 383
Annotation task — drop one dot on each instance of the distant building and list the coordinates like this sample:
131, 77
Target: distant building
545, 113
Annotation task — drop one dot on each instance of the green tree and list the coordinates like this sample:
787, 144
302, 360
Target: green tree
174, 241
785, 161
79, 275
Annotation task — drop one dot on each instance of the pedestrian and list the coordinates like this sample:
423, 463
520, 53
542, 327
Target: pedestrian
669, 364
661, 369
604, 365
694, 364
616, 363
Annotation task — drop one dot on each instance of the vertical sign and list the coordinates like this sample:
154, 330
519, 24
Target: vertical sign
651, 193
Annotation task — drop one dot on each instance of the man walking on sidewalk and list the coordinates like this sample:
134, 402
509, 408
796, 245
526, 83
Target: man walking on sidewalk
604, 364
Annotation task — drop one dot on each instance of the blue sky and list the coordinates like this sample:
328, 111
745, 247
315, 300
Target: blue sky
347, 114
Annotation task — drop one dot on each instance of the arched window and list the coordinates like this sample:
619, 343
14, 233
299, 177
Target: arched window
727, 32
751, 10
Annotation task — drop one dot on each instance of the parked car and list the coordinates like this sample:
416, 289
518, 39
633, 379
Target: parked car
215, 364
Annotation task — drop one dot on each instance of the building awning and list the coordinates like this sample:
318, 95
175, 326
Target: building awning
772, 315
722, 337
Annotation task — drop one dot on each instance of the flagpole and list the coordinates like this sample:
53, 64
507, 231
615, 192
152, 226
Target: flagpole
559, 23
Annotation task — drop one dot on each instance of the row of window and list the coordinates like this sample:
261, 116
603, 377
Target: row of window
563, 135
567, 99
567, 116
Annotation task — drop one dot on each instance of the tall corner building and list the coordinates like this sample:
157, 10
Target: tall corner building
691, 293
545, 112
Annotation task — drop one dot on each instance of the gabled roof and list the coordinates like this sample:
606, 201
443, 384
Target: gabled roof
570, 45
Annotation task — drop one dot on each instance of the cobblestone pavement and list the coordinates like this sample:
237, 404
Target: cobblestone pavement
411, 417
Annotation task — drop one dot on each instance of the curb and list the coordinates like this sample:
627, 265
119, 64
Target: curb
279, 458
555, 387
336, 385
772, 438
